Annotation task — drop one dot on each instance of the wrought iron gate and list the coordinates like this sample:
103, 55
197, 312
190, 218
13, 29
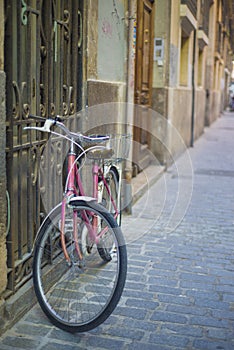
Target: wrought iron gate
43, 64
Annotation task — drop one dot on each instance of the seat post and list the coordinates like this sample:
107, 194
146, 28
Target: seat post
95, 169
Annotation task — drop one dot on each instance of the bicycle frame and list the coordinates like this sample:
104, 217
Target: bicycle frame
72, 190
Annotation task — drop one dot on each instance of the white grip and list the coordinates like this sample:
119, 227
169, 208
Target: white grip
45, 128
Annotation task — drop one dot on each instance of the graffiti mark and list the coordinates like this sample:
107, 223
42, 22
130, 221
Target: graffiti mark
107, 28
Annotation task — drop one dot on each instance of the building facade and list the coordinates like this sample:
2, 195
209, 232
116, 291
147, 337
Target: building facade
173, 57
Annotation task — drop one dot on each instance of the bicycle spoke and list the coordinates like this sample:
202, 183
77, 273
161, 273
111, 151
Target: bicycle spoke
76, 294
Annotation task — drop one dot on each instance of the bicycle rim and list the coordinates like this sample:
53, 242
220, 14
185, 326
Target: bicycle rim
113, 185
78, 295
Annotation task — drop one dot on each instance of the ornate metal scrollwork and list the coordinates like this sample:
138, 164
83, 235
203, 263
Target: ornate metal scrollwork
52, 108
64, 23
24, 12
24, 269
26, 109
43, 52
59, 154
19, 107
41, 85
24, 16
35, 164
42, 170
68, 106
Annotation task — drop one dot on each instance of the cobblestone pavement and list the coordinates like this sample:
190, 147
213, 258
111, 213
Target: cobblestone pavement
179, 292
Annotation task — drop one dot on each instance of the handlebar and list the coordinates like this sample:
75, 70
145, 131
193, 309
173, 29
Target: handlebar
71, 135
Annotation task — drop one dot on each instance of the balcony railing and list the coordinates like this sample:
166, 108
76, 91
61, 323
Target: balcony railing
192, 5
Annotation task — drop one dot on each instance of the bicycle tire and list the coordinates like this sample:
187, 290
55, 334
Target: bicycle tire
75, 296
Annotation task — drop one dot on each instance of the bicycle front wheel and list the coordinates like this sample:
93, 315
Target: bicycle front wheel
79, 294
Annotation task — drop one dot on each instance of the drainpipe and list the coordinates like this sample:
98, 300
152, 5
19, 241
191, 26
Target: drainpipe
193, 89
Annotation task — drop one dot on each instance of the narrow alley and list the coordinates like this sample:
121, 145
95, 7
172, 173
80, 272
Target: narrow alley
179, 292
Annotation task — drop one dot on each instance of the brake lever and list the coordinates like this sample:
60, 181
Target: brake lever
45, 128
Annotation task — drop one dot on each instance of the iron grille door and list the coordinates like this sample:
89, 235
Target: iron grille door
43, 64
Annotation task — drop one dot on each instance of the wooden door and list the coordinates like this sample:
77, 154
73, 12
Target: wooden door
143, 83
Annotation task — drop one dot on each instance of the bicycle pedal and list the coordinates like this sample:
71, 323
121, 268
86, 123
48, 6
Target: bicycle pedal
80, 264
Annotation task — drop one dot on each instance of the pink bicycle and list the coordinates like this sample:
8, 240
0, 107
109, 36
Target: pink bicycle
80, 258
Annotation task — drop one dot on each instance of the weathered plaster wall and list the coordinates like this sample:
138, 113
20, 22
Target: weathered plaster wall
107, 52
169, 99
213, 100
111, 49
179, 115
200, 110
161, 30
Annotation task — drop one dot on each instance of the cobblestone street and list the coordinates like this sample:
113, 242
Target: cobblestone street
179, 292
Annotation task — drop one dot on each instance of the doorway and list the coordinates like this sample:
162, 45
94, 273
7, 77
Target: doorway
143, 84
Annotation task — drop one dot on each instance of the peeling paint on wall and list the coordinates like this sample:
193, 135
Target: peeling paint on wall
111, 54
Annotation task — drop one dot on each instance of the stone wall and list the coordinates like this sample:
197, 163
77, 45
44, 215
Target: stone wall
159, 124
180, 116
3, 253
2, 23
100, 92
200, 110
3, 268
212, 107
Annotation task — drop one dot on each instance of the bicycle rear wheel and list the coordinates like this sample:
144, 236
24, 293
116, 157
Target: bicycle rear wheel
113, 188
79, 294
